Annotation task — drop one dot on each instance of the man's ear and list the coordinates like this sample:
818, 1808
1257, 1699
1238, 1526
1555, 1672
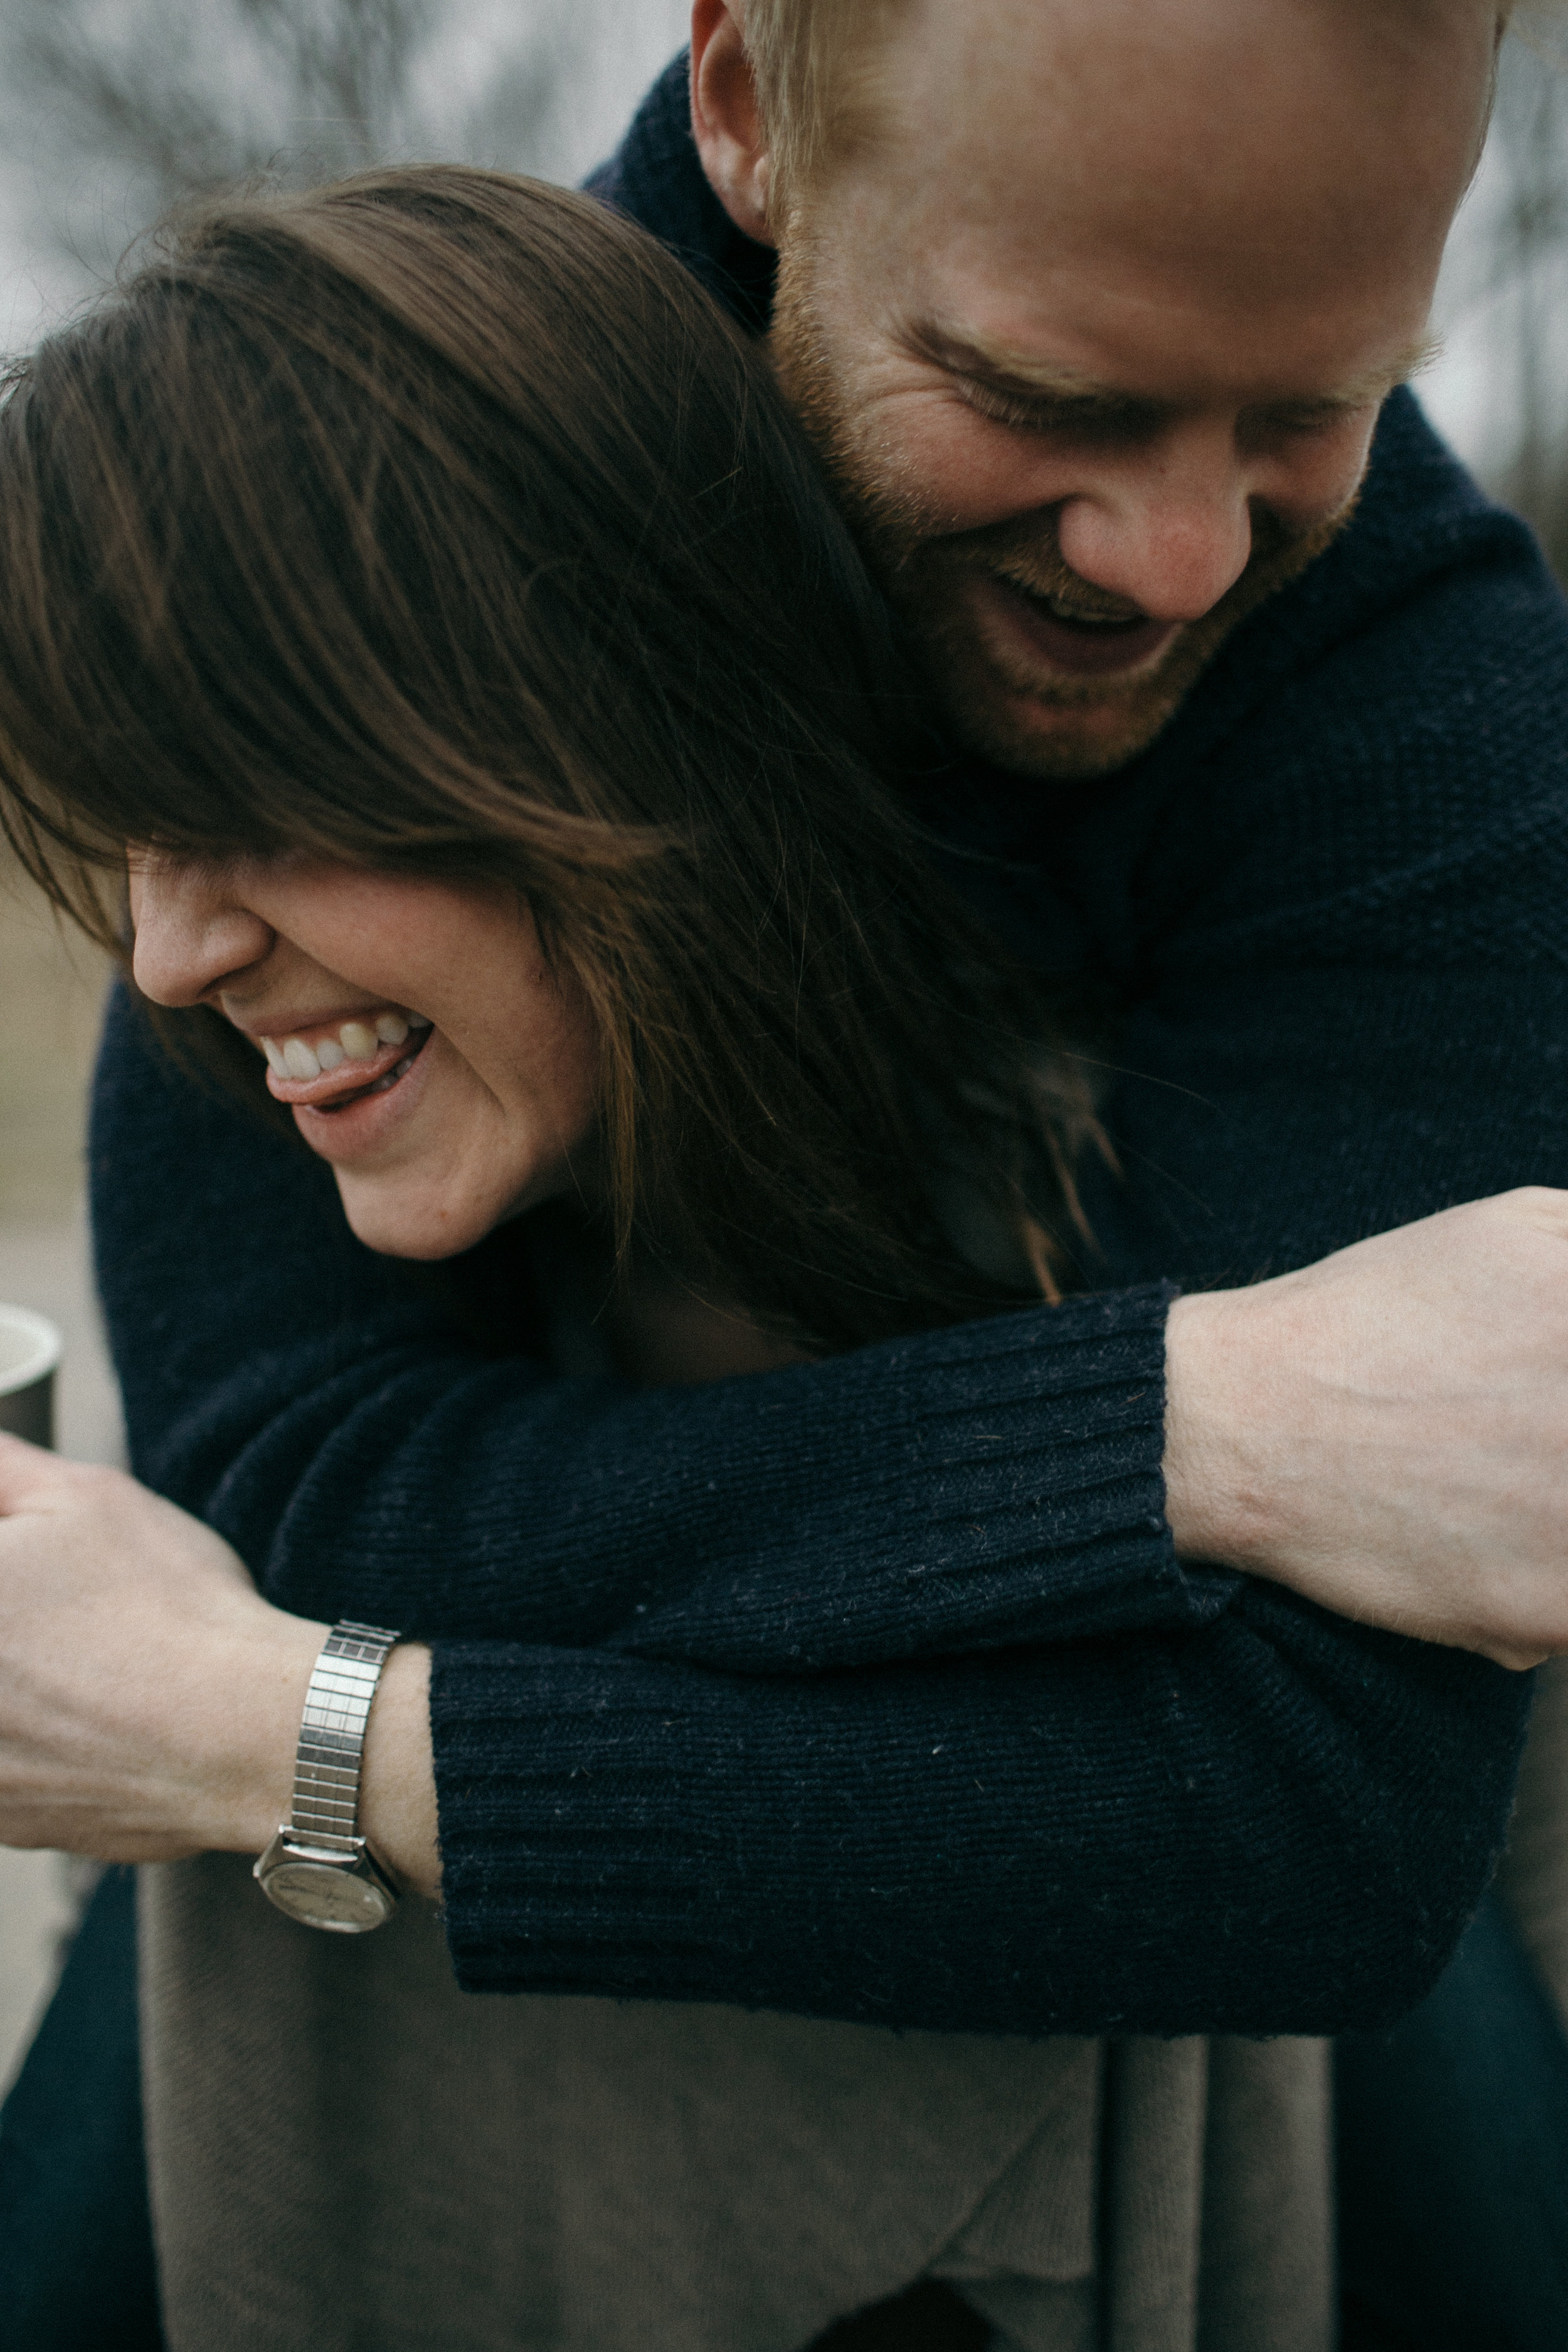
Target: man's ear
726, 120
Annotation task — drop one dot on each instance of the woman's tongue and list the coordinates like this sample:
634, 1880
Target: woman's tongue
322, 1067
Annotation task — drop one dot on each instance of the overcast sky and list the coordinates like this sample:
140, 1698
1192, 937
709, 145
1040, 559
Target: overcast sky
52, 196
1469, 391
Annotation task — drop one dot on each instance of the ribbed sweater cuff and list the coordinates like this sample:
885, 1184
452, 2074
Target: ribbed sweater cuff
1029, 1511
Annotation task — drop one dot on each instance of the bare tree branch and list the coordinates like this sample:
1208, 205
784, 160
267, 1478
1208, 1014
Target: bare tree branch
328, 78
141, 104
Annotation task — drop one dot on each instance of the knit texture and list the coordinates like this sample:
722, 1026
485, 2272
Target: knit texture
873, 1689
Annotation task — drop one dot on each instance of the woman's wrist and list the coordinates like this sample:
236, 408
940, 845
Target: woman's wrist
253, 1785
255, 1697
150, 1699
397, 1789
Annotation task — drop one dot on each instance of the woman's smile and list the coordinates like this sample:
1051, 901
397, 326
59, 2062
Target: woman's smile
427, 1048
354, 1126
366, 1049
347, 1072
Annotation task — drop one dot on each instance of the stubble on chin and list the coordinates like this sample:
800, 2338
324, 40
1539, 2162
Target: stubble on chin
995, 703
1056, 729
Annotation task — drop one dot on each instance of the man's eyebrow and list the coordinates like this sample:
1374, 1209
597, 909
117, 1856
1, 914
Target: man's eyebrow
1018, 377
1376, 383
1041, 384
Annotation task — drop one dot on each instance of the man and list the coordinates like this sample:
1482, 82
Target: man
1092, 311
1086, 425
1084, 421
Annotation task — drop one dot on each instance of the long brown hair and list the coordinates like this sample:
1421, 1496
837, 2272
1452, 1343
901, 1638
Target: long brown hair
438, 521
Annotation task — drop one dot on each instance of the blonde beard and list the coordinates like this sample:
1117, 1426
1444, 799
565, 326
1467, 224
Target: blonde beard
924, 573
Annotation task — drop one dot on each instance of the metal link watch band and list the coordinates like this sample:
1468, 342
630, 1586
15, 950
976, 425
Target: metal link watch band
331, 1735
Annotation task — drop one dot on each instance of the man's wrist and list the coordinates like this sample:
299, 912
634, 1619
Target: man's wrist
1219, 1500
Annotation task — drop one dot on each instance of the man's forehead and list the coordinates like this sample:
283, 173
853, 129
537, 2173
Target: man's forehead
1080, 69
1193, 124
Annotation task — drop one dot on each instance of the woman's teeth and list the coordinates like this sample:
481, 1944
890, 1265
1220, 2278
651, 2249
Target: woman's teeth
355, 1041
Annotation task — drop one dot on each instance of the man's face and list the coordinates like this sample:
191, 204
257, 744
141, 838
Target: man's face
1094, 321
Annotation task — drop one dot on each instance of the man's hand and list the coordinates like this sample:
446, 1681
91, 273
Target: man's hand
1387, 1432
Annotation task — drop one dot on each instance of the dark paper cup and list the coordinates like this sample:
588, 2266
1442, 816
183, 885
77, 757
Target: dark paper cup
29, 1354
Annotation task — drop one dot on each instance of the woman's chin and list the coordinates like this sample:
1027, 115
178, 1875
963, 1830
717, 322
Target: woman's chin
438, 1214
399, 1220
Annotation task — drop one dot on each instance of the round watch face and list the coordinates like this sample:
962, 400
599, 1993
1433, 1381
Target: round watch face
322, 1895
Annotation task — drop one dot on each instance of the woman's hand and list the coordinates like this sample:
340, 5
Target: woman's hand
149, 1699
1387, 1432
149, 1696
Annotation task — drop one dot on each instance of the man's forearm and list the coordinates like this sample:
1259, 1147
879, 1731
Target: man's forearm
1369, 1432
980, 1485
1379, 1432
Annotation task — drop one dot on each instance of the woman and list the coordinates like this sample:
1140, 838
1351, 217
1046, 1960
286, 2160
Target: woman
431, 594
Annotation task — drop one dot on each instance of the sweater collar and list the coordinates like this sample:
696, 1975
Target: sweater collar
655, 176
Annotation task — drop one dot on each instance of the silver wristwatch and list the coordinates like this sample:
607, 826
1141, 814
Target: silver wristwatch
317, 1868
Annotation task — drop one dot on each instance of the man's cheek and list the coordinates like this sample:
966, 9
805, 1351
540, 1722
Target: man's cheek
1319, 476
956, 470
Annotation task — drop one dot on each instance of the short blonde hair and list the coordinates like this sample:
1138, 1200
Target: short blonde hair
804, 54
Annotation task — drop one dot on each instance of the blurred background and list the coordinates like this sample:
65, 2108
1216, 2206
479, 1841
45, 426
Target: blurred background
109, 109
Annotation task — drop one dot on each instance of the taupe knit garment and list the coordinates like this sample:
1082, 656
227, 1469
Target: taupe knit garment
347, 2153
1533, 1879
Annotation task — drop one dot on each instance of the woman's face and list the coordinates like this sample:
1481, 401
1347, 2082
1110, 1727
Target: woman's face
428, 1052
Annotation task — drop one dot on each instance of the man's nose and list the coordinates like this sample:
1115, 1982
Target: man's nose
192, 931
1169, 529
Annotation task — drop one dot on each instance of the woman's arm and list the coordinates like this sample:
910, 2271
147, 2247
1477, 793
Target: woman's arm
1265, 1828
1231, 1772
1262, 1827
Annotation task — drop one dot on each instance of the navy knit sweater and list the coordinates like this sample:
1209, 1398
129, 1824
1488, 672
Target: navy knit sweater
873, 1689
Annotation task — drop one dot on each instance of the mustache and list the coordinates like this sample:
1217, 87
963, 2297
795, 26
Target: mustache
1033, 563
1026, 552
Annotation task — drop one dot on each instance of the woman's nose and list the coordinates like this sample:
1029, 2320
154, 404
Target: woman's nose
192, 931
